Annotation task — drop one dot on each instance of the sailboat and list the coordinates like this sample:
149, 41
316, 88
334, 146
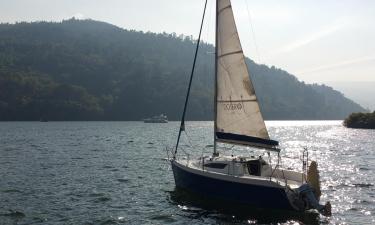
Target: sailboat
249, 180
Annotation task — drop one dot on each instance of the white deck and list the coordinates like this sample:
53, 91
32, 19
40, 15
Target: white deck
236, 169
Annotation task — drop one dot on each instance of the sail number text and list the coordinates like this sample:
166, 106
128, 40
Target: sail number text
232, 106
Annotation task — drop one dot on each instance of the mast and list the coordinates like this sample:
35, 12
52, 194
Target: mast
215, 95
182, 125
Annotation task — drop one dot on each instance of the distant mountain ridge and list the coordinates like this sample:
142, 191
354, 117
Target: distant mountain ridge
360, 92
90, 70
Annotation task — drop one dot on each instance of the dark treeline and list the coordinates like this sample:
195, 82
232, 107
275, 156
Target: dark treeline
89, 70
360, 120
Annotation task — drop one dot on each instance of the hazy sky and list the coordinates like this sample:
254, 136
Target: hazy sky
316, 40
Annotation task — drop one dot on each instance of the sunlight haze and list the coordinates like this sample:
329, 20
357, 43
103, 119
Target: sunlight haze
317, 41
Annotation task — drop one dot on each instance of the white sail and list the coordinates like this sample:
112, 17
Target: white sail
238, 118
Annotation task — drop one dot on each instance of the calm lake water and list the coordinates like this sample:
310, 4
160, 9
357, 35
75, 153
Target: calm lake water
115, 173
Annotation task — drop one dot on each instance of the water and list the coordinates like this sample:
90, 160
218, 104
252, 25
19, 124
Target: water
115, 173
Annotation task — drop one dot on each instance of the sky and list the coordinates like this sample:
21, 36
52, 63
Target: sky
318, 41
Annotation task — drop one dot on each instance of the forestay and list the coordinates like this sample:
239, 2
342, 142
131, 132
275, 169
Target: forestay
238, 118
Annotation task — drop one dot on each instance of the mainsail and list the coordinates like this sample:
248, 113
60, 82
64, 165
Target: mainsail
238, 117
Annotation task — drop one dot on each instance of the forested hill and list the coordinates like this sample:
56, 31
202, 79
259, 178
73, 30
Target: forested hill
89, 70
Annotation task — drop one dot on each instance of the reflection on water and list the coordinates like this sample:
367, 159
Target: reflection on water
115, 173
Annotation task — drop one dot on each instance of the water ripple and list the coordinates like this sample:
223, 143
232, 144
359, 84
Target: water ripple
115, 173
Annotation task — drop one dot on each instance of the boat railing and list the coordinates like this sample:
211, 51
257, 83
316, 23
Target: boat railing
305, 163
278, 173
285, 180
187, 156
169, 152
203, 163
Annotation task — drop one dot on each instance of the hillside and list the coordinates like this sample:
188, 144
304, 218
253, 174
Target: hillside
90, 70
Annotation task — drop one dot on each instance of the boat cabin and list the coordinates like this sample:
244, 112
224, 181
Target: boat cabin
237, 166
248, 167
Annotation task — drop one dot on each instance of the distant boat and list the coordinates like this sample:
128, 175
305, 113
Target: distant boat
251, 180
162, 118
43, 120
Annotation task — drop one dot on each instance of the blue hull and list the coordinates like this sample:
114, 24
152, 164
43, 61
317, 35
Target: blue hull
245, 194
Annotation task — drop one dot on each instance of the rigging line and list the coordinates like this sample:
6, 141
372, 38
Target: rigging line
252, 31
208, 22
182, 125
189, 140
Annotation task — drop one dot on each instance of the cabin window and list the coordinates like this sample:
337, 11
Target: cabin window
216, 165
254, 167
